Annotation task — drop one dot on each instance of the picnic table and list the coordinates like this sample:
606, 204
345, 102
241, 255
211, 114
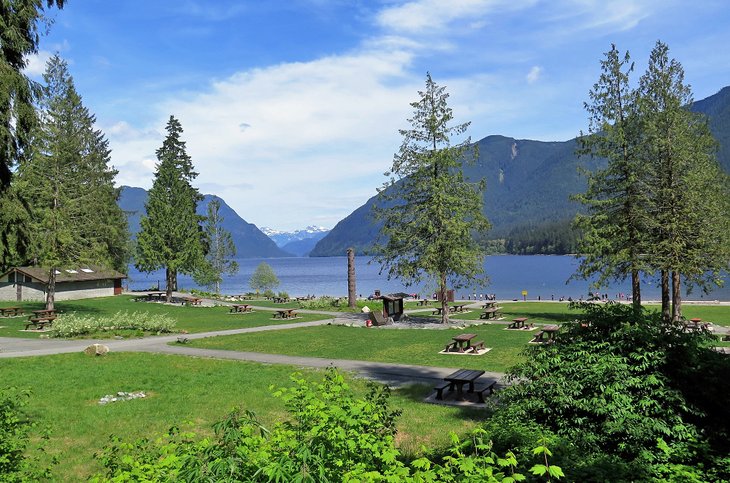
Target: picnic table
280, 300
152, 297
518, 323
41, 318
457, 308
490, 311
461, 343
695, 324
11, 311
461, 377
423, 302
285, 314
549, 331
192, 301
240, 308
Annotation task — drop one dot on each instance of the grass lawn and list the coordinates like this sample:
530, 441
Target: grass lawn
189, 318
405, 346
66, 389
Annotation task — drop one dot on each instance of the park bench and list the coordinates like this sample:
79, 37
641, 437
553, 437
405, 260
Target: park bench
440, 390
477, 346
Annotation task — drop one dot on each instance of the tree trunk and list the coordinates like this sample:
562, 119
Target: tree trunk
351, 288
676, 296
51, 289
666, 313
169, 282
444, 301
636, 290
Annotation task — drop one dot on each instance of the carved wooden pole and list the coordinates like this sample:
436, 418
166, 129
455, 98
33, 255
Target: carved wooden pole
351, 291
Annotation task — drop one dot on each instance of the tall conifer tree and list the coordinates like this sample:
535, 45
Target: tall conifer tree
220, 250
690, 212
431, 213
613, 241
171, 235
69, 184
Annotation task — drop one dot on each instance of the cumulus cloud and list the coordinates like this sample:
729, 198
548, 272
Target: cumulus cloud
534, 74
36, 63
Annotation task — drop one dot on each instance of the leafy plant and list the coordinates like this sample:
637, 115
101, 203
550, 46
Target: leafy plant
73, 325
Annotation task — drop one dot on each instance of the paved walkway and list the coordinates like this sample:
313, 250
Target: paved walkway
388, 373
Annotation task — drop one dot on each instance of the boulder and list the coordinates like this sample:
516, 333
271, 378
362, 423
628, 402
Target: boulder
96, 350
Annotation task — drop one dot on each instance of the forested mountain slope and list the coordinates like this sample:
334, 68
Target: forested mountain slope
529, 184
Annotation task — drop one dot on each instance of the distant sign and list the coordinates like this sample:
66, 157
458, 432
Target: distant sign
524, 293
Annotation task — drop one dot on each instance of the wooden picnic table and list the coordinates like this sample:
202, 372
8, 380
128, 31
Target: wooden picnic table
547, 330
236, 308
462, 342
280, 300
192, 301
285, 314
461, 377
695, 324
518, 323
11, 311
457, 308
490, 313
41, 318
489, 304
423, 302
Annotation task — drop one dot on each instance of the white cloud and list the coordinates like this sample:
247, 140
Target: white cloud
534, 74
36, 63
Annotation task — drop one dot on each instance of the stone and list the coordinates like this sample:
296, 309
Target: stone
96, 350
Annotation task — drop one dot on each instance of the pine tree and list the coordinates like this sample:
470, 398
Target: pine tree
171, 235
220, 250
690, 210
19, 20
613, 241
431, 213
69, 185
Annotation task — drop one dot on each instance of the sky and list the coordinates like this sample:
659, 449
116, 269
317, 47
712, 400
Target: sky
291, 109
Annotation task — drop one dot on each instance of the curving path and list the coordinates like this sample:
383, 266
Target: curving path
388, 373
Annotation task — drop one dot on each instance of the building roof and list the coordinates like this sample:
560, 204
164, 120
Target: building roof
89, 272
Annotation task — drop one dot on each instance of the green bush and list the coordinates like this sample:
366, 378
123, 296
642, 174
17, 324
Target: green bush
283, 295
73, 325
15, 426
331, 436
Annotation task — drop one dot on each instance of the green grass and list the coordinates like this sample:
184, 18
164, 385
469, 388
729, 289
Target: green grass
189, 318
66, 389
405, 346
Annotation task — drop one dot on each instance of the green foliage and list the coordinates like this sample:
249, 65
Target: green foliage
74, 325
330, 436
320, 303
220, 250
15, 427
20, 20
615, 381
264, 279
430, 211
171, 235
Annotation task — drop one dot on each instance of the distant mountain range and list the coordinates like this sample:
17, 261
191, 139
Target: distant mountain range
249, 240
298, 242
529, 183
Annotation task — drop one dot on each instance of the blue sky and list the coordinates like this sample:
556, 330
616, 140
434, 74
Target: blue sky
291, 109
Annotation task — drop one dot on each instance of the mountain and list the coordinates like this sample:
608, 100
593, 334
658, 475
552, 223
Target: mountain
282, 238
529, 184
250, 241
302, 248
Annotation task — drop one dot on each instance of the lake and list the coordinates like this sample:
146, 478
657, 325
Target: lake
509, 275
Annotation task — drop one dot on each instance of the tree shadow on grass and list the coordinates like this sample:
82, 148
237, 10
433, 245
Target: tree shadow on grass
552, 317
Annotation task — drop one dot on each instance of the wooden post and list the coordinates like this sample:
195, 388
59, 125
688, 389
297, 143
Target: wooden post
351, 291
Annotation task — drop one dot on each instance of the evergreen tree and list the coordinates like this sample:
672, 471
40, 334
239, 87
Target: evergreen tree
69, 185
689, 230
220, 250
19, 21
430, 212
614, 228
263, 278
171, 234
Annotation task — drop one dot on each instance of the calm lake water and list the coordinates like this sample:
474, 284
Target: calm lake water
509, 275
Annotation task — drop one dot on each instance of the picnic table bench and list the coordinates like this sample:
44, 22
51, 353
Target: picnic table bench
151, 297
241, 308
192, 301
11, 311
423, 302
41, 318
519, 323
280, 300
695, 324
456, 381
285, 314
491, 313
549, 331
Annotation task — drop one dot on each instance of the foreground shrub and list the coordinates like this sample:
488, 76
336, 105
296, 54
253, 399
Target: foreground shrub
14, 437
74, 325
321, 303
331, 436
620, 390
